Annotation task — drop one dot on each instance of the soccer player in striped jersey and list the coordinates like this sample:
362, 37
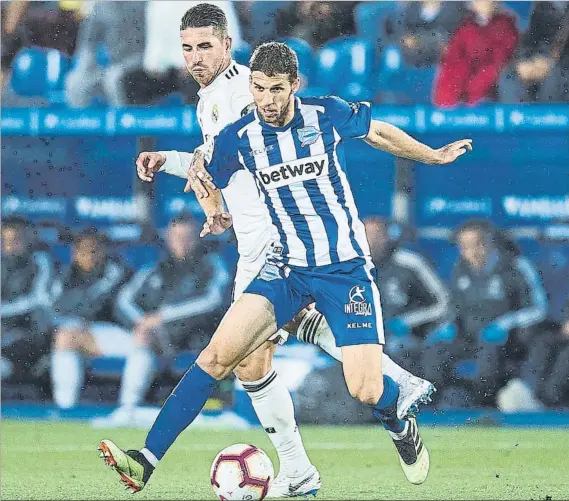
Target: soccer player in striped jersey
294, 149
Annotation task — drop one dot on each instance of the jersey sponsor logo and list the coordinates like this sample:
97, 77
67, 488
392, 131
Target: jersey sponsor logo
295, 171
360, 325
308, 135
358, 304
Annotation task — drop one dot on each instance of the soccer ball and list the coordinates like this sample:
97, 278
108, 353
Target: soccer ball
241, 471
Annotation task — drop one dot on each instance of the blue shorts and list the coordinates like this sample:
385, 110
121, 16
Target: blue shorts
345, 293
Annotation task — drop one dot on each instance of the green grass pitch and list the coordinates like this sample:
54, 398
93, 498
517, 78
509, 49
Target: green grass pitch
60, 461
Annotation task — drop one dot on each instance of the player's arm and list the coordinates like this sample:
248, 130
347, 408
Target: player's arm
387, 137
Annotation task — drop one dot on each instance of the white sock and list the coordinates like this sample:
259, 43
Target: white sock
67, 375
314, 329
137, 376
273, 404
152, 459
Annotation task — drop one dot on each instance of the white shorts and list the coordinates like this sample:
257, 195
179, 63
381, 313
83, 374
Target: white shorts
111, 339
245, 274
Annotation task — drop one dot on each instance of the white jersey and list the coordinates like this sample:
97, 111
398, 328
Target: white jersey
223, 102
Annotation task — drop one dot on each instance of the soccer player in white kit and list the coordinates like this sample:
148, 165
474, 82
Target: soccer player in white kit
224, 97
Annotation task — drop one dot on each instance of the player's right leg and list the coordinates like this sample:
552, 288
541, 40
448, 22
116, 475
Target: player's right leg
310, 326
247, 325
349, 298
363, 375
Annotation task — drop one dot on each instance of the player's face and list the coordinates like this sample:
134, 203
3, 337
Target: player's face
12, 241
88, 253
474, 248
274, 97
206, 54
182, 239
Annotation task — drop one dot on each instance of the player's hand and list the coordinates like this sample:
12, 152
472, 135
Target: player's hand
198, 177
147, 323
148, 163
449, 153
216, 223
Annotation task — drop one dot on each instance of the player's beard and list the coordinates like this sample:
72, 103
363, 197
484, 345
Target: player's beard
280, 120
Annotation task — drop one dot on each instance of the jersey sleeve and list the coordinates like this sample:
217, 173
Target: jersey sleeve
225, 158
351, 120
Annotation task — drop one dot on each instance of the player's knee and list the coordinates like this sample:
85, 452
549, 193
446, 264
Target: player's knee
256, 365
214, 363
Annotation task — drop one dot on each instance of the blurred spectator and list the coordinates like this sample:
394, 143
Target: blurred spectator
258, 20
114, 30
413, 298
497, 303
83, 315
52, 25
163, 69
27, 275
540, 71
476, 55
170, 307
554, 389
317, 22
426, 28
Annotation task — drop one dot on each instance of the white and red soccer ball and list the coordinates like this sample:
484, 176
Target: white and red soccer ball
241, 471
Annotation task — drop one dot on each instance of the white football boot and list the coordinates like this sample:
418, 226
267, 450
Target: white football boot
413, 391
307, 484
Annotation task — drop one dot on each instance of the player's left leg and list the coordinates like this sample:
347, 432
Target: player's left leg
349, 299
310, 326
274, 408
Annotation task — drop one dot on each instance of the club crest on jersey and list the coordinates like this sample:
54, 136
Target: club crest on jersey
358, 304
215, 113
308, 135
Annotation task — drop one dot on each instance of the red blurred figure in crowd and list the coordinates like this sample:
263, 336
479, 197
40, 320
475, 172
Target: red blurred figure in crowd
476, 55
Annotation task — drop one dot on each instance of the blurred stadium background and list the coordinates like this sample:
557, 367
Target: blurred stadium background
87, 85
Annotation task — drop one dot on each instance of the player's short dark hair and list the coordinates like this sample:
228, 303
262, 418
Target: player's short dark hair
16, 222
275, 58
204, 15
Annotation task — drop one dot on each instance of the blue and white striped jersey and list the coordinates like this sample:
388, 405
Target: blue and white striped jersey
300, 171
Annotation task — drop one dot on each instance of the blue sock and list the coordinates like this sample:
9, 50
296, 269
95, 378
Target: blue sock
386, 409
180, 409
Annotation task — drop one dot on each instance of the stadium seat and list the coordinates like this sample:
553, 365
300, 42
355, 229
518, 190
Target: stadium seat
242, 53
523, 11
304, 53
343, 61
370, 18
38, 72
